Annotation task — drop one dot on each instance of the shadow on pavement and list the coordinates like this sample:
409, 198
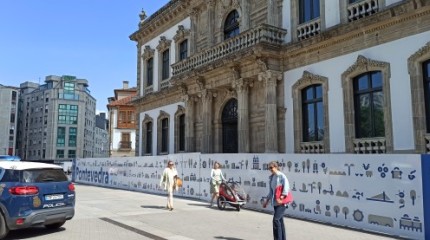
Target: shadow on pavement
28, 233
227, 238
153, 207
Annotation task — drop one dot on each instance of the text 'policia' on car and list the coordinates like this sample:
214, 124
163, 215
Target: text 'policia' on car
34, 194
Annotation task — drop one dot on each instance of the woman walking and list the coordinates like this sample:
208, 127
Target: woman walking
216, 178
167, 182
277, 182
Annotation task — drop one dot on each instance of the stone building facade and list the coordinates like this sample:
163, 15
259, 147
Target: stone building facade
265, 76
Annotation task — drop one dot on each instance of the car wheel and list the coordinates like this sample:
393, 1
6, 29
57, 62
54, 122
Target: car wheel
221, 202
54, 225
3, 228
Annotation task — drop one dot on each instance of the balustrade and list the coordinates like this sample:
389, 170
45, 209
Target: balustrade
261, 34
361, 9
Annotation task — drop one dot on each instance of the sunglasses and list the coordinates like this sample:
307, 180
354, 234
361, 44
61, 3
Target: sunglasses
272, 167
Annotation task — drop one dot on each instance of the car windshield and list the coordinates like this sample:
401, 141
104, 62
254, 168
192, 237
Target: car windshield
43, 175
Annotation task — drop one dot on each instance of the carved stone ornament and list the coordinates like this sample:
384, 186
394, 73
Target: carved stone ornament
181, 33
163, 44
226, 3
162, 115
421, 52
242, 84
142, 17
200, 82
183, 88
262, 65
180, 110
363, 64
230, 3
147, 119
235, 70
307, 79
148, 52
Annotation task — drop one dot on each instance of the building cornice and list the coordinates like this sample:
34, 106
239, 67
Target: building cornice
352, 31
160, 18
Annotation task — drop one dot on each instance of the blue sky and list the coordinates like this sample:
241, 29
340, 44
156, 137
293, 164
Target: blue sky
85, 38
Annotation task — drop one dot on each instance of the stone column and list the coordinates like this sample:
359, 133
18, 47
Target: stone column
211, 22
189, 123
207, 99
242, 88
272, 13
139, 69
245, 15
193, 31
269, 78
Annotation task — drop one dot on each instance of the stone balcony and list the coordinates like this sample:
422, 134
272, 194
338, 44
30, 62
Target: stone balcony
362, 9
262, 34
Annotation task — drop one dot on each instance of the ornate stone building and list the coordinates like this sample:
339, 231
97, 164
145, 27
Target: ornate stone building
299, 76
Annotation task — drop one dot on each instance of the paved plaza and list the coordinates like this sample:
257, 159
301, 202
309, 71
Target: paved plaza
111, 214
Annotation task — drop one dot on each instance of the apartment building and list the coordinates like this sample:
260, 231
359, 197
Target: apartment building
299, 76
56, 119
122, 123
101, 136
8, 119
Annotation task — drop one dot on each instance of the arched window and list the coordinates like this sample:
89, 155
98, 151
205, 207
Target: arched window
229, 127
231, 25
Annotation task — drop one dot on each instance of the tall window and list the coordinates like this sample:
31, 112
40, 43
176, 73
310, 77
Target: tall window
72, 136
126, 119
165, 65
149, 72
182, 132
14, 94
229, 127
60, 153
148, 148
67, 114
164, 135
183, 50
125, 141
72, 154
426, 85
368, 105
61, 136
313, 113
231, 25
308, 10
12, 118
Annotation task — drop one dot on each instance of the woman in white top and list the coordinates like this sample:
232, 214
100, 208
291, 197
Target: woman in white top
216, 178
167, 182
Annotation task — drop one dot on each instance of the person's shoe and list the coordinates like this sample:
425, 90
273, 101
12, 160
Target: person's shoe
171, 209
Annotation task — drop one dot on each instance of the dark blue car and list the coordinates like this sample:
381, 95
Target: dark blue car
34, 194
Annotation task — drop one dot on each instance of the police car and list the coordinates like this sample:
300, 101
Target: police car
34, 194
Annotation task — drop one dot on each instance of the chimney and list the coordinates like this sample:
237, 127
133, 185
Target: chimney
124, 84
